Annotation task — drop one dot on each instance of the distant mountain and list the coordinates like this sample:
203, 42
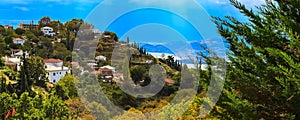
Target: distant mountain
156, 48
159, 48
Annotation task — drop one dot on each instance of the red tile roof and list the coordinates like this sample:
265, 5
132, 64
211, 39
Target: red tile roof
17, 39
169, 81
105, 69
51, 60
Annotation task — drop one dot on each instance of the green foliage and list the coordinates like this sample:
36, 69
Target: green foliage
1, 62
60, 51
99, 111
112, 35
38, 107
19, 31
32, 71
77, 110
131, 114
44, 48
8, 40
45, 21
139, 73
65, 87
55, 108
263, 75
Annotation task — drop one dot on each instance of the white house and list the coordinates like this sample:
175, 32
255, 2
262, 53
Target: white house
15, 63
100, 57
55, 69
56, 73
8, 27
48, 31
19, 54
19, 41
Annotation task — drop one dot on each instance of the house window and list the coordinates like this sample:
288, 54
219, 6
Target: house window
59, 72
53, 74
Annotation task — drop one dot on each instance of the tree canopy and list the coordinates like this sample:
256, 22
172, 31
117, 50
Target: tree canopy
263, 75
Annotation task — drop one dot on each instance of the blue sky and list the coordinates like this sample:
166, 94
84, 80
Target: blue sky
125, 18
16, 11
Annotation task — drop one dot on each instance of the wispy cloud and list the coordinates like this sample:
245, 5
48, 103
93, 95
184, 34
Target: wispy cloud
159, 2
15, 1
22, 8
72, 1
251, 3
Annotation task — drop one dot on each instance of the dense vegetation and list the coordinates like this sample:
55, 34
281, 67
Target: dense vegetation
263, 75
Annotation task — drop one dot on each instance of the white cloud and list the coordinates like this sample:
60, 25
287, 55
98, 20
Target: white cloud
164, 2
22, 8
72, 1
248, 3
24, 2
251, 3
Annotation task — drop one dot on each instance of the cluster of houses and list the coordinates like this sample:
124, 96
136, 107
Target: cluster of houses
49, 31
54, 67
56, 70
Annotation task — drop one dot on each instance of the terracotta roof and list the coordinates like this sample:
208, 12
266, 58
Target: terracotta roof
18, 39
105, 69
51, 60
169, 81
72, 63
95, 72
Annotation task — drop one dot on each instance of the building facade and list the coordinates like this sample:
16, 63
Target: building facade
28, 26
48, 31
19, 41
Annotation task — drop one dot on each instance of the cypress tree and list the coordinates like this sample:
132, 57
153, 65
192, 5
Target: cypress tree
263, 79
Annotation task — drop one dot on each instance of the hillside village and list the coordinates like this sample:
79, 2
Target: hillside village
57, 70
37, 58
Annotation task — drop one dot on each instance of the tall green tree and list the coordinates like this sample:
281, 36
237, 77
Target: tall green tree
263, 79
44, 48
72, 26
32, 71
45, 21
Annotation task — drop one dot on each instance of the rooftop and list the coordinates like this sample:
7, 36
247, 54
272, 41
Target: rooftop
169, 81
18, 39
51, 60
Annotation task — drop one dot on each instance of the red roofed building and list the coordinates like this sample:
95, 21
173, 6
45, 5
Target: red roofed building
169, 81
106, 71
53, 62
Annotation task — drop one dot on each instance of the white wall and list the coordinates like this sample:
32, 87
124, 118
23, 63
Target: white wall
21, 42
55, 76
54, 64
48, 31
